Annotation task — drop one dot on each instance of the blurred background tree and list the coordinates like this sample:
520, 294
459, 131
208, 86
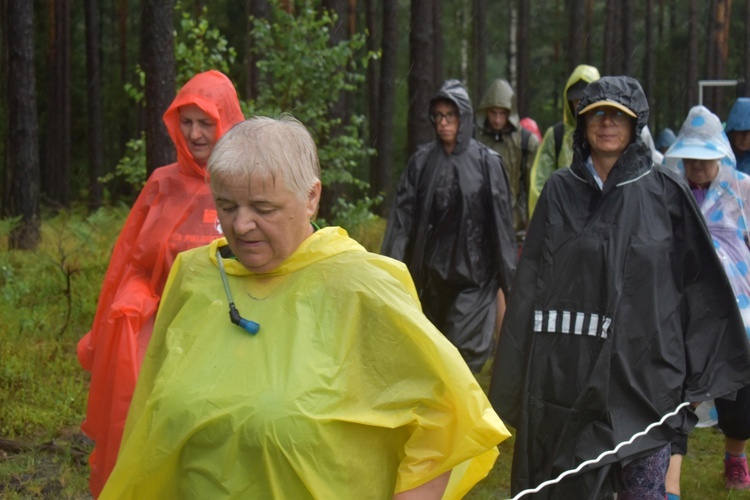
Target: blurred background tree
358, 73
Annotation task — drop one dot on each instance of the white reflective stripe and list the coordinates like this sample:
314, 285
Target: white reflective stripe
552, 321
579, 323
538, 317
605, 327
593, 324
572, 322
566, 321
637, 178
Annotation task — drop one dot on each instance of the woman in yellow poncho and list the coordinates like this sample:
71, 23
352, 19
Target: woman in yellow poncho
327, 382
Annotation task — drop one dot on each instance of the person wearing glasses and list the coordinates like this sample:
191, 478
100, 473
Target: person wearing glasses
174, 212
620, 312
556, 151
324, 381
452, 225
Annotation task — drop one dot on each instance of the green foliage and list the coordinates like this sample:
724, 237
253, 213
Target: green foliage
198, 48
359, 221
303, 74
47, 302
300, 73
131, 167
137, 92
8, 225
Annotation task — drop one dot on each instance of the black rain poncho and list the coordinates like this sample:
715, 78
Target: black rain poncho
620, 311
452, 225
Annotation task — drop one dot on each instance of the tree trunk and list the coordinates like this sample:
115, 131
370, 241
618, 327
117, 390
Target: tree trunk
122, 39
628, 42
710, 55
513, 43
372, 45
720, 39
576, 34
340, 109
258, 9
125, 71
351, 18
479, 47
523, 59
22, 153
56, 164
157, 52
589, 29
387, 99
611, 38
287, 6
746, 66
437, 45
649, 79
692, 57
420, 80
94, 103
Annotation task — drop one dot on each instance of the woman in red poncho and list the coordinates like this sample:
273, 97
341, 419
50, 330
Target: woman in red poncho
174, 212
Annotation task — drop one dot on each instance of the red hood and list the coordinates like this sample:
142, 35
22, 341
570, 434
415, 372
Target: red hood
214, 93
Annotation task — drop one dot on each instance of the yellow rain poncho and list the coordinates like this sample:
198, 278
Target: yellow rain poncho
347, 391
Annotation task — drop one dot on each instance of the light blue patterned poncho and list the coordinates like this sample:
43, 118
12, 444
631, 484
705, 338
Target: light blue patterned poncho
727, 200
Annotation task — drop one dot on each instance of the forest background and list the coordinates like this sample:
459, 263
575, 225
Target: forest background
83, 85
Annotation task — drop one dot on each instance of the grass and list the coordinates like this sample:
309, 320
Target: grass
47, 302
702, 467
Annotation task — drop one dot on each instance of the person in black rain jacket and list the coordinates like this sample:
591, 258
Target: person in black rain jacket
452, 225
620, 311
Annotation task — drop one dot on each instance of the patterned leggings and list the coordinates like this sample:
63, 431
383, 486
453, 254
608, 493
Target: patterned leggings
643, 479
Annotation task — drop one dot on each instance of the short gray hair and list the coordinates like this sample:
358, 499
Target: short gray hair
270, 147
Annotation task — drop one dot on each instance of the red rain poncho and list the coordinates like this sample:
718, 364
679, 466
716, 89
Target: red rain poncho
174, 212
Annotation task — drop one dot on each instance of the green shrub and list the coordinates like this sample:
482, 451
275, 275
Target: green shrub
301, 73
198, 48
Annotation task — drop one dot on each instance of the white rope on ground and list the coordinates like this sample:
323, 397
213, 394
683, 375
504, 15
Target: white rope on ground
604, 454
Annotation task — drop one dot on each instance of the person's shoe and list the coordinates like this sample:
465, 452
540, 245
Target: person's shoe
736, 475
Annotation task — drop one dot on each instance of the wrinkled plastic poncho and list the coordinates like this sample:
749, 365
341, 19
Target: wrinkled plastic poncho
648, 140
174, 212
739, 120
452, 225
666, 138
532, 126
619, 313
725, 206
546, 162
347, 391
509, 145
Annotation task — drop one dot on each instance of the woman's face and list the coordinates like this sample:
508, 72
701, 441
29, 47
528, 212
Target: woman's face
701, 172
199, 131
446, 118
608, 130
741, 140
263, 221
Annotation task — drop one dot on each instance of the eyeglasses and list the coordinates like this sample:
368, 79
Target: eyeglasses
450, 117
616, 116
